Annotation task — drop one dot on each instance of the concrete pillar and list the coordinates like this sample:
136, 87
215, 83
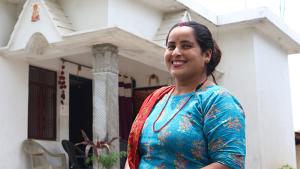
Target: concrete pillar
105, 93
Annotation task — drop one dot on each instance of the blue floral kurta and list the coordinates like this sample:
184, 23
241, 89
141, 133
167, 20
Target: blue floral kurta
210, 128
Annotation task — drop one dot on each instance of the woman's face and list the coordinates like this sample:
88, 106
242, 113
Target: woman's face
184, 57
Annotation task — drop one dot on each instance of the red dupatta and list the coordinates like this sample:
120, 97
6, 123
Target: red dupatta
137, 126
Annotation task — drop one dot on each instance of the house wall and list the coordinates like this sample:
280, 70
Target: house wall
134, 17
130, 15
14, 110
89, 14
8, 15
274, 104
141, 72
238, 65
256, 71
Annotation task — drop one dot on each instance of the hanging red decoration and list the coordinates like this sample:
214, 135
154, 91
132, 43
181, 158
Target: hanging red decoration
62, 83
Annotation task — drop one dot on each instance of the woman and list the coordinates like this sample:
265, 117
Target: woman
194, 123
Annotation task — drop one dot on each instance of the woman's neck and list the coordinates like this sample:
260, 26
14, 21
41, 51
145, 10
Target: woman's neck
188, 86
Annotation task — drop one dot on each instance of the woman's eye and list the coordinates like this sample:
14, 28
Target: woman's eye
171, 47
186, 46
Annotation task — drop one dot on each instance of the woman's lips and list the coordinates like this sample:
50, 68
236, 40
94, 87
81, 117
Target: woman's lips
177, 63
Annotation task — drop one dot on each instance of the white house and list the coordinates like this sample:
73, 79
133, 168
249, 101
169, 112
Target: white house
99, 39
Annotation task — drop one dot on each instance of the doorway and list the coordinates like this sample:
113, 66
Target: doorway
80, 108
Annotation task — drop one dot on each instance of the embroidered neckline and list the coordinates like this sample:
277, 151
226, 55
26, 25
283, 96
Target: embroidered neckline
153, 125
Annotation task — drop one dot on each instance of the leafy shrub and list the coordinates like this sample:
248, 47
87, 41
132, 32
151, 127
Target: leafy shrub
286, 167
102, 154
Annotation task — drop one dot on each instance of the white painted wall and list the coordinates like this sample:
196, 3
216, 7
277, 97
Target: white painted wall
277, 145
256, 71
13, 109
141, 72
8, 18
130, 15
89, 14
294, 62
239, 77
134, 17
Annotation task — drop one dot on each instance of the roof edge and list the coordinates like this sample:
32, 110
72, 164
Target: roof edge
200, 10
250, 17
256, 16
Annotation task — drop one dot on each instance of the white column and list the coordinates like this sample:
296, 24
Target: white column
105, 92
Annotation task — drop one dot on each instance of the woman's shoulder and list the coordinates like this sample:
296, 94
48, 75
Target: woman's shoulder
218, 97
215, 93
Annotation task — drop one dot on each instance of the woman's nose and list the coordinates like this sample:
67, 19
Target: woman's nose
176, 52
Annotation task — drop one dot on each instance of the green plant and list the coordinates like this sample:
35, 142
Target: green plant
102, 155
106, 160
286, 167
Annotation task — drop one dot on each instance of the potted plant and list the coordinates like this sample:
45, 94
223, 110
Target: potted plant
102, 154
286, 167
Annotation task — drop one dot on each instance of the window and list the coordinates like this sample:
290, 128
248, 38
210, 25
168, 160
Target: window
42, 104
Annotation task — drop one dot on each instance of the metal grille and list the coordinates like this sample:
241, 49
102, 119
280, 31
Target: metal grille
42, 104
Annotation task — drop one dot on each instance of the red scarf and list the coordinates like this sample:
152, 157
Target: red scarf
137, 126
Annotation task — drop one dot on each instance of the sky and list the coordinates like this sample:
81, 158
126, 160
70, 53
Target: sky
289, 12
291, 16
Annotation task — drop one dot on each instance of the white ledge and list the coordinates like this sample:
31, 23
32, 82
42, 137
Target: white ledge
261, 18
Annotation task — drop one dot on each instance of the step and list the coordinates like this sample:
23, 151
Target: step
56, 12
63, 25
65, 28
61, 20
64, 31
53, 5
171, 16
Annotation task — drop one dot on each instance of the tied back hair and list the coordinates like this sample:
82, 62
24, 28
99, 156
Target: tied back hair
206, 42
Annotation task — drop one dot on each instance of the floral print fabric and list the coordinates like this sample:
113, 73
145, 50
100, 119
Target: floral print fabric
209, 128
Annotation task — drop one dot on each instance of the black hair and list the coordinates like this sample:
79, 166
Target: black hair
205, 41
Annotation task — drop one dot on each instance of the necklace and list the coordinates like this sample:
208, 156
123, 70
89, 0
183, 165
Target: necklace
158, 130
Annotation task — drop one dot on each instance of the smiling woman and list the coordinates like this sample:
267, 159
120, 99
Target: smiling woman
201, 52
193, 123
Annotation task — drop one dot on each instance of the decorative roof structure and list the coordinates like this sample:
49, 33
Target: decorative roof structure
60, 38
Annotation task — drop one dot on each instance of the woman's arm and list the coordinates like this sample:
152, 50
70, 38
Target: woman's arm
126, 165
224, 128
216, 166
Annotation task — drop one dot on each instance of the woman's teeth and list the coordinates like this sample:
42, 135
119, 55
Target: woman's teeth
177, 62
